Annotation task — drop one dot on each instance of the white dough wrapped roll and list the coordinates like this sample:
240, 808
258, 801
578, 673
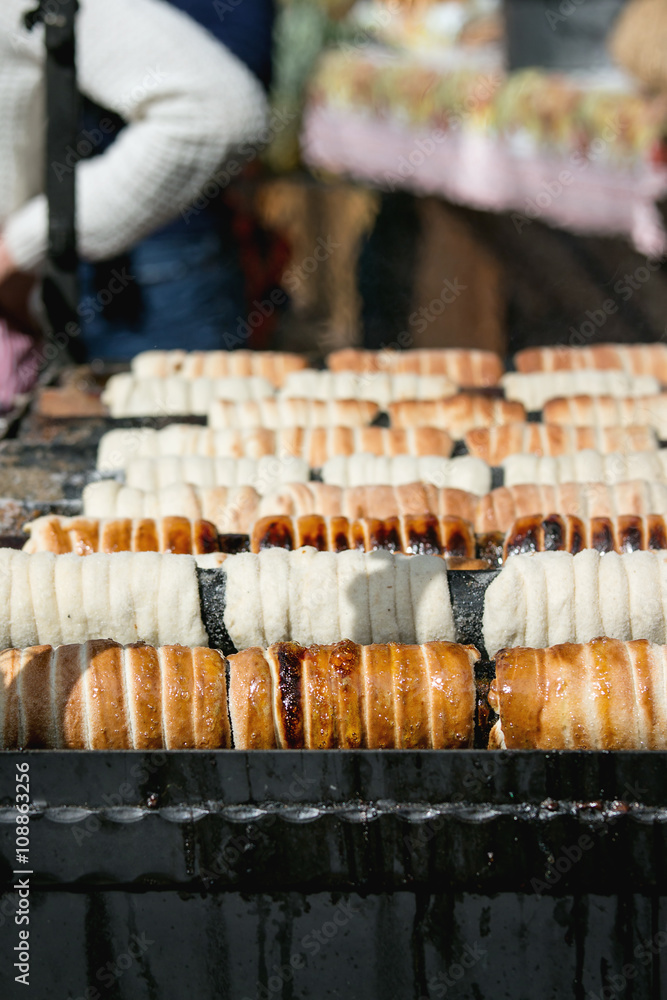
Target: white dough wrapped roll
125, 395
265, 475
586, 466
231, 509
536, 388
367, 597
128, 597
621, 596
378, 387
463, 473
315, 445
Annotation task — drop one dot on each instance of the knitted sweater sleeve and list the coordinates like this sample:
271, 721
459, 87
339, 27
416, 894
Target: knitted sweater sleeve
189, 102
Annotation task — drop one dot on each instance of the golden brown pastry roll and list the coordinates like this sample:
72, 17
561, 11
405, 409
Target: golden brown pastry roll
85, 535
100, 695
349, 696
456, 414
568, 533
419, 534
465, 367
601, 695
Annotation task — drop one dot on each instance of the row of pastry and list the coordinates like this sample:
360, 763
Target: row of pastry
309, 596
236, 510
175, 382
100, 695
411, 534
315, 446
464, 366
271, 473
235, 401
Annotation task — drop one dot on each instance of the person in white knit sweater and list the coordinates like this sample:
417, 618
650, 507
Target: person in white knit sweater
187, 100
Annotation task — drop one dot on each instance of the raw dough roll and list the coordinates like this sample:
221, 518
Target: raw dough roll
99, 695
535, 389
121, 447
128, 396
378, 387
118, 447
230, 509
125, 596
354, 594
621, 595
265, 475
464, 473
585, 467
604, 695
352, 696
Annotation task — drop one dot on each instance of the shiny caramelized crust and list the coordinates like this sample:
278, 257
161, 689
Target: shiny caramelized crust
319, 700
144, 693
103, 696
285, 661
456, 414
413, 534
209, 700
12, 726
567, 533
601, 695
34, 686
495, 444
473, 368
345, 666
349, 696
311, 530
635, 359
85, 535
251, 701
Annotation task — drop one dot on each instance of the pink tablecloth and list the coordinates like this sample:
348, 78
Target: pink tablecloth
484, 172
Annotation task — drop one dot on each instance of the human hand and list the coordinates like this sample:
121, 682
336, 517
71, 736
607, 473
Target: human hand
7, 265
15, 290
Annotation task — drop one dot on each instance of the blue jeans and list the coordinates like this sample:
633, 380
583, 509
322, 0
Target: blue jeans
171, 290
